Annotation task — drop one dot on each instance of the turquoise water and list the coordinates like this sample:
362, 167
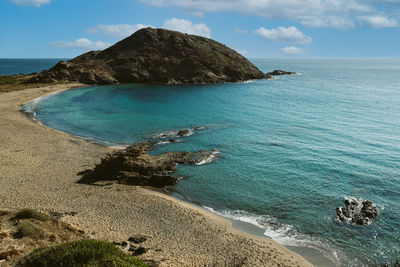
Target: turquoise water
291, 148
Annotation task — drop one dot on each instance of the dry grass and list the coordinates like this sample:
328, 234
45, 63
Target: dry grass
10, 83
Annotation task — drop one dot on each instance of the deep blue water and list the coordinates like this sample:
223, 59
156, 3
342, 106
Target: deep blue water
291, 148
9, 66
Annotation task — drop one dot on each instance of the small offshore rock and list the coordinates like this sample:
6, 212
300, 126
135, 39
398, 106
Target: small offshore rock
357, 212
186, 132
280, 72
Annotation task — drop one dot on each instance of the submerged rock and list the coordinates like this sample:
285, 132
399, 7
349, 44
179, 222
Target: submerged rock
171, 135
156, 56
357, 212
134, 166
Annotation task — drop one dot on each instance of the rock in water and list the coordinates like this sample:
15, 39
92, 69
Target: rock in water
280, 72
156, 56
357, 212
135, 167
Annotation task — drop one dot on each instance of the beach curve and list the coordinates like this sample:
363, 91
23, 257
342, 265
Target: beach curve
39, 169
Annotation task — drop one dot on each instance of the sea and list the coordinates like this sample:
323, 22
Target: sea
290, 149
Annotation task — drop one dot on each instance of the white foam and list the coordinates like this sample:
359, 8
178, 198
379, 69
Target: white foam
173, 134
248, 81
279, 232
209, 158
34, 106
164, 142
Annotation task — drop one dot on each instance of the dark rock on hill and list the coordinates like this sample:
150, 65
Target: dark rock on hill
156, 56
134, 166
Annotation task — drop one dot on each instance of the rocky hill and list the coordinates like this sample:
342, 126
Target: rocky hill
156, 56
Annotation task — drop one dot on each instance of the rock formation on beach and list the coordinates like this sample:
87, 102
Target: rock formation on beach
357, 212
156, 56
134, 166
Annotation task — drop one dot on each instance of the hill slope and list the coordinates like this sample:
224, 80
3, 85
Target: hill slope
156, 56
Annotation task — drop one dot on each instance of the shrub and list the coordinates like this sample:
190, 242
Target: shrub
26, 229
31, 214
87, 253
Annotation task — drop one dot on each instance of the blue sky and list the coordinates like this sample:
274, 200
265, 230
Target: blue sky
255, 28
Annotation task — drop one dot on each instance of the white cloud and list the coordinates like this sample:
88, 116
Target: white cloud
117, 31
289, 35
36, 3
186, 26
292, 50
339, 14
378, 21
340, 23
81, 44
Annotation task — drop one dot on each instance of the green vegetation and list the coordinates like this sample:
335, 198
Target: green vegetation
26, 229
88, 253
10, 83
31, 214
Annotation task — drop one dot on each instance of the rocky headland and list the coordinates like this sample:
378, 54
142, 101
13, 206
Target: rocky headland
156, 56
133, 166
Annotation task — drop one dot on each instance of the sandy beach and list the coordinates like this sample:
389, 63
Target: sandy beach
39, 168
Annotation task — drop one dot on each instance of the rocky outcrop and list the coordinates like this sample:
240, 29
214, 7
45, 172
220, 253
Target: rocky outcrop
357, 212
134, 166
280, 72
156, 56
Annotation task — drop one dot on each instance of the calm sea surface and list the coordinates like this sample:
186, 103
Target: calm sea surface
291, 148
9, 66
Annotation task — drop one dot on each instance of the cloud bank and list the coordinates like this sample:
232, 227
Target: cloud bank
378, 21
81, 44
339, 14
36, 3
186, 26
289, 35
117, 31
292, 50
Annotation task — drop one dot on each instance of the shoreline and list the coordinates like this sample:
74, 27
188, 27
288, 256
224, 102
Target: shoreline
312, 255
177, 228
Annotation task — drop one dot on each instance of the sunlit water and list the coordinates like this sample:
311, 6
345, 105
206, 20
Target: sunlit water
291, 148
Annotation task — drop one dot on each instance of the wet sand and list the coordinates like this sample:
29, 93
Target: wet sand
39, 168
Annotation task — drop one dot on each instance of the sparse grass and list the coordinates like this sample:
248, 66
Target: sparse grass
26, 229
31, 214
10, 83
89, 253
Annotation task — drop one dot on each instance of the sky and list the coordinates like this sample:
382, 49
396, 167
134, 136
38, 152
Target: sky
254, 28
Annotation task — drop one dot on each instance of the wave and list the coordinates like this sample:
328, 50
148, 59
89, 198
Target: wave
207, 156
273, 229
248, 81
286, 235
165, 142
33, 107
